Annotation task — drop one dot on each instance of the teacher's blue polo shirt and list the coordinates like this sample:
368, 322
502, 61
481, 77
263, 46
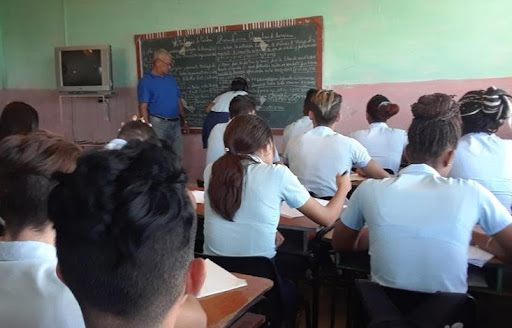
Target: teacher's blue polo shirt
161, 93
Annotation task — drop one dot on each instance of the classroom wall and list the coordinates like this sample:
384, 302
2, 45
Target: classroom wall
399, 48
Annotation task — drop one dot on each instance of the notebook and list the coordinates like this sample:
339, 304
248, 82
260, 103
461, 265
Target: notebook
219, 280
199, 195
478, 257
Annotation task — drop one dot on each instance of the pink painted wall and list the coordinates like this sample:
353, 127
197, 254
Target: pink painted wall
90, 122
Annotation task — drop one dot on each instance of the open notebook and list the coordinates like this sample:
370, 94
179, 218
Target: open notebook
478, 257
219, 280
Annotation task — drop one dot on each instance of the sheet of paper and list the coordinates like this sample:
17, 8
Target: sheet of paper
219, 280
295, 213
199, 195
478, 257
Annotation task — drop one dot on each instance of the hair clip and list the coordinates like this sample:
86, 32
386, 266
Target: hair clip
226, 150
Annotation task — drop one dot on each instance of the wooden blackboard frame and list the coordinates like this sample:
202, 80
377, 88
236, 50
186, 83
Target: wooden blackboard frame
317, 20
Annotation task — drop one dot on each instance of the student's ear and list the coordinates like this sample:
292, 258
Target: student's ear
447, 157
59, 273
195, 277
338, 117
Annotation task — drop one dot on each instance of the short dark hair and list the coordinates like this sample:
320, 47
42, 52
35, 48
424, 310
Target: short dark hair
484, 111
18, 118
325, 105
136, 130
27, 163
241, 105
244, 135
125, 231
436, 126
239, 84
381, 109
306, 107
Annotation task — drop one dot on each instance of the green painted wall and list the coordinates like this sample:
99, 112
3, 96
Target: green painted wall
366, 41
3, 81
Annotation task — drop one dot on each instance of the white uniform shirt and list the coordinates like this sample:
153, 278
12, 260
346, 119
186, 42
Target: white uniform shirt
317, 156
301, 126
222, 101
487, 159
216, 146
384, 144
253, 231
31, 294
420, 227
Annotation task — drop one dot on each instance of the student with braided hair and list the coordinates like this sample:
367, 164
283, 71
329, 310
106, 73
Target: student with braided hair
384, 144
420, 222
481, 155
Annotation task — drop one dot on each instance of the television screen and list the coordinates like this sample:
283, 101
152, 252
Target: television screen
81, 67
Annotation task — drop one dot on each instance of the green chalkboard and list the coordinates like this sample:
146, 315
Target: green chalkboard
280, 64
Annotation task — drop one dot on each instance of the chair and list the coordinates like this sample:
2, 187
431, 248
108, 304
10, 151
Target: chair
382, 307
260, 267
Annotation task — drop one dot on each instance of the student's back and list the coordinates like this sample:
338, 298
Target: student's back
481, 155
384, 144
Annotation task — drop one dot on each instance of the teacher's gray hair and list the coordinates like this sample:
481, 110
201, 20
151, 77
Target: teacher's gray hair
160, 52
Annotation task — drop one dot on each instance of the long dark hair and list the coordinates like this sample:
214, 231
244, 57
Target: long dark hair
436, 126
244, 135
18, 118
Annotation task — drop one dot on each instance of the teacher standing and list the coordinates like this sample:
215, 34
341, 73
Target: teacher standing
160, 101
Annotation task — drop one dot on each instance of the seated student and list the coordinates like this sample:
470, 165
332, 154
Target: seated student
240, 105
18, 118
384, 144
244, 192
31, 295
218, 109
133, 130
302, 125
481, 155
125, 235
420, 223
316, 156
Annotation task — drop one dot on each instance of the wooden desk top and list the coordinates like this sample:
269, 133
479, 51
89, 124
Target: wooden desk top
224, 308
301, 223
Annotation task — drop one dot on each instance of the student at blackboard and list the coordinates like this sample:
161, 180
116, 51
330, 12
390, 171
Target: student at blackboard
240, 105
218, 109
128, 252
421, 223
384, 144
160, 101
316, 156
302, 125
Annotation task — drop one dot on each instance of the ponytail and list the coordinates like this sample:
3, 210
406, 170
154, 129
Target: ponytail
244, 136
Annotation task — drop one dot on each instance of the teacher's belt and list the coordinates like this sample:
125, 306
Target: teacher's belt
174, 119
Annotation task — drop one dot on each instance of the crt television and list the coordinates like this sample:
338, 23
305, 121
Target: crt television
84, 69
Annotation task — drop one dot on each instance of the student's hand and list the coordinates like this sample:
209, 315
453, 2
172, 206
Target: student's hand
361, 172
343, 182
279, 239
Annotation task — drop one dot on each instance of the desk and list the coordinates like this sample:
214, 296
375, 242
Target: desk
224, 309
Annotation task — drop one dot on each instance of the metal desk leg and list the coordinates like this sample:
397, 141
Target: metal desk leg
499, 282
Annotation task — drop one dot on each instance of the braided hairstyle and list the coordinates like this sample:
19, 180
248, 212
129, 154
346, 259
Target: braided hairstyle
484, 111
436, 126
380, 109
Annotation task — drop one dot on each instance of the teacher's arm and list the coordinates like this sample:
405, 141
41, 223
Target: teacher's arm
183, 117
143, 111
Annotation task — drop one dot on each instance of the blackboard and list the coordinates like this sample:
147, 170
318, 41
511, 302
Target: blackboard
281, 60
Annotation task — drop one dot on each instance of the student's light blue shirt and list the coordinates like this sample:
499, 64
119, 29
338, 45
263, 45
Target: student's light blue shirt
420, 227
317, 156
31, 294
486, 159
161, 93
253, 230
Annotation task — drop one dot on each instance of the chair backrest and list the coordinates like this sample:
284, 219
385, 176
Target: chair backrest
391, 307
